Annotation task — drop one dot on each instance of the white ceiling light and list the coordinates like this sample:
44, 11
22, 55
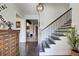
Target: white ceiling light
40, 7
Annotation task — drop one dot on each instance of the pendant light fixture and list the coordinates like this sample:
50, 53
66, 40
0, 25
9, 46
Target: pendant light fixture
40, 7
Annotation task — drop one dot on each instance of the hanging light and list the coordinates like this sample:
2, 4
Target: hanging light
40, 7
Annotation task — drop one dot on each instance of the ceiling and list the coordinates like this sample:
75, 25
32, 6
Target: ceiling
30, 8
27, 8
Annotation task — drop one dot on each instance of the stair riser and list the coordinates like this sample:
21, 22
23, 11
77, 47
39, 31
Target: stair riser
60, 34
45, 45
63, 29
51, 41
55, 38
41, 48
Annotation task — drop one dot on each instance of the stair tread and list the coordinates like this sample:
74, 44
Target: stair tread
68, 22
64, 28
44, 45
53, 35
51, 41
62, 31
55, 38
58, 34
65, 25
41, 47
47, 44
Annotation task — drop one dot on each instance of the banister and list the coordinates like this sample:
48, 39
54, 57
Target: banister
56, 19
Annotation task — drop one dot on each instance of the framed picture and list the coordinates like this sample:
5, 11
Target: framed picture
17, 24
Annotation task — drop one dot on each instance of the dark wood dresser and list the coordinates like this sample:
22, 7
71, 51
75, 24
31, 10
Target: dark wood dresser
9, 42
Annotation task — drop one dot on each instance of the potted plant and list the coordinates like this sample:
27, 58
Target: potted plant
73, 40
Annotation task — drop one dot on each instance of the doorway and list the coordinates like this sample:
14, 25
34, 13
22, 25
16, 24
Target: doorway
32, 37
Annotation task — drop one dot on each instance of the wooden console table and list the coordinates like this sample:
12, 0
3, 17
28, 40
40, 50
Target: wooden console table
9, 42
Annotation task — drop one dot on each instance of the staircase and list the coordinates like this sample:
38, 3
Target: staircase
54, 41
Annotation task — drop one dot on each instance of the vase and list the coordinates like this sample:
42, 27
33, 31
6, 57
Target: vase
74, 52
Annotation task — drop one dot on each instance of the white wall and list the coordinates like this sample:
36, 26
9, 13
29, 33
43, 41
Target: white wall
51, 12
75, 15
23, 31
32, 17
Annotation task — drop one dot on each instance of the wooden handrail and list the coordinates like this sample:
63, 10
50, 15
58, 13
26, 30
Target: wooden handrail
56, 19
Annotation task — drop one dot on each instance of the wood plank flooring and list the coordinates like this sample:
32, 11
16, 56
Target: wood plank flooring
29, 49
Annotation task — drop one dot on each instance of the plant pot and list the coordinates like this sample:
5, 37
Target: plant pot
74, 52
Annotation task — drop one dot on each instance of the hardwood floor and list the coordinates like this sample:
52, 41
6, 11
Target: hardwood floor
29, 49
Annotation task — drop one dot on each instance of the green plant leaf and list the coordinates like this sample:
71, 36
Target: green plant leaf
73, 38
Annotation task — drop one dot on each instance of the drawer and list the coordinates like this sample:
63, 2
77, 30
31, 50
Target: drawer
1, 41
6, 44
17, 43
6, 36
13, 37
13, 41
1, 52
6, 48
1, 46
17, 40
6, 40
13, 48
17, 46
1, 37
13, 51
6, 53
12, 45
13, 54
17, 49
